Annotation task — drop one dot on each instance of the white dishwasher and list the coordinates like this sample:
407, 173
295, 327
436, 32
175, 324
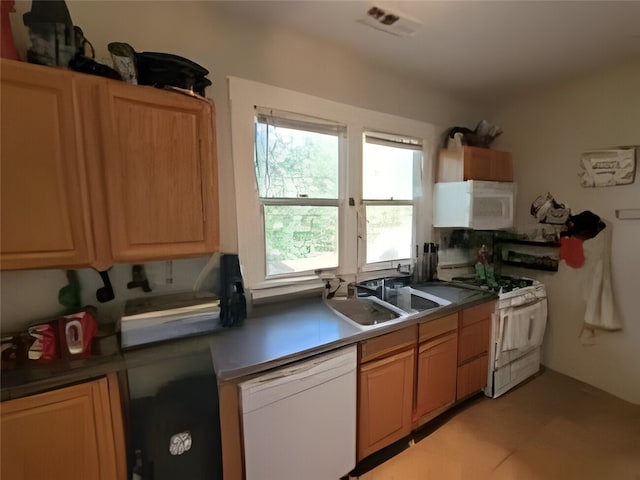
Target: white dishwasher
300, 421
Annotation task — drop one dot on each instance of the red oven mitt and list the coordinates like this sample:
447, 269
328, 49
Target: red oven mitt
572, 251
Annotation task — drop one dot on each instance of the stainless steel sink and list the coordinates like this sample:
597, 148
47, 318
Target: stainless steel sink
413, 301
399, 305
366, 311
392, 300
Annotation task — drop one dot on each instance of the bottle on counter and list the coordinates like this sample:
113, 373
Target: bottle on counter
430, 262
482, 261
418, 271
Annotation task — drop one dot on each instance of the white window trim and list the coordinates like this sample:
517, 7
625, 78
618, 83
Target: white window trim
244, 95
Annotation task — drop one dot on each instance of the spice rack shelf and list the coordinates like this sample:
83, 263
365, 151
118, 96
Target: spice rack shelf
544, 259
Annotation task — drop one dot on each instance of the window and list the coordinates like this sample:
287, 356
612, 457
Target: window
318, 188
391, 174
296, 164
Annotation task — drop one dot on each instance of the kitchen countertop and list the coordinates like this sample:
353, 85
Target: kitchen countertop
273, 335
277, 334
284, 332
43, 376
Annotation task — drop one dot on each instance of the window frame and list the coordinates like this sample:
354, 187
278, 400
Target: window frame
395, 141
244, 95
307, 123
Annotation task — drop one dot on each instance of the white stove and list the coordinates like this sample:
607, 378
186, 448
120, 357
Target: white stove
517, 331
516, 338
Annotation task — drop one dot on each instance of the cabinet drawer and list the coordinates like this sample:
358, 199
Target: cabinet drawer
477, 313
474, 340
436, 327
385, 344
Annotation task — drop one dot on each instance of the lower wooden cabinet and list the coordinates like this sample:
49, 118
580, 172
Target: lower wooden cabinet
472, 376
73, 433
437, 368
385, 401
410, 376
473, 347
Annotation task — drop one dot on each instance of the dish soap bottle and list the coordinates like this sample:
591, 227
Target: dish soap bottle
481, 263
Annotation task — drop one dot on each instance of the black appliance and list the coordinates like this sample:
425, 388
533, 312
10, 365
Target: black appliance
173, 412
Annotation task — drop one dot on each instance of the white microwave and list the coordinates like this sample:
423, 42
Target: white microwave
474, 204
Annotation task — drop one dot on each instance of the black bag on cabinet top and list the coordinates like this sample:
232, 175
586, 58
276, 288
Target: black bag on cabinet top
164, 69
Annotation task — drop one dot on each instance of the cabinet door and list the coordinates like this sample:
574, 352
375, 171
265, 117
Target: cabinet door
472, 376
44, 200
477, 164
501, 166
63, 434
160, 173
385, 401
474, 163
437, 368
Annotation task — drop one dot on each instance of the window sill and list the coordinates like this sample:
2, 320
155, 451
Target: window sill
283, 289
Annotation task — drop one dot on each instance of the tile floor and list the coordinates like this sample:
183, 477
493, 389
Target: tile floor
552, 427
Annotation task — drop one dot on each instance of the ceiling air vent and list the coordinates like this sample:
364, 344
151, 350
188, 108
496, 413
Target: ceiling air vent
392, 22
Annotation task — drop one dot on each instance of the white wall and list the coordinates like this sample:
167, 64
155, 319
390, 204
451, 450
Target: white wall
547, 131
226, 47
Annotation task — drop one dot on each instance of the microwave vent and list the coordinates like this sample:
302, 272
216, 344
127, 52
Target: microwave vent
392, 22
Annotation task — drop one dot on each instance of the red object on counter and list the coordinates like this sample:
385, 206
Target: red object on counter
75, 333
572, 251
66, 337
8, 46
45, 346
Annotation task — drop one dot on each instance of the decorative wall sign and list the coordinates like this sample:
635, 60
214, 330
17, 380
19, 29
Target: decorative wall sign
607, 168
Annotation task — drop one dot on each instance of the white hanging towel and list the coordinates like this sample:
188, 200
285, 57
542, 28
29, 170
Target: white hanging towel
601, 312
523, 327
516, 330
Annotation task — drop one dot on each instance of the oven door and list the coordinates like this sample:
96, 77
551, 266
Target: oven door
520, 329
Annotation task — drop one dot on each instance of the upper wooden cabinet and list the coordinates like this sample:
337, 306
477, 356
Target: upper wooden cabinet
96, 171
44, 204
159, 172
474, 163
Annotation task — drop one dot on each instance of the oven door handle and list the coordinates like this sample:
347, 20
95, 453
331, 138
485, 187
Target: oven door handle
502, 317
525, 300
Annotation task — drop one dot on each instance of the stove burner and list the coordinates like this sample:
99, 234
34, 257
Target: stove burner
505, 282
